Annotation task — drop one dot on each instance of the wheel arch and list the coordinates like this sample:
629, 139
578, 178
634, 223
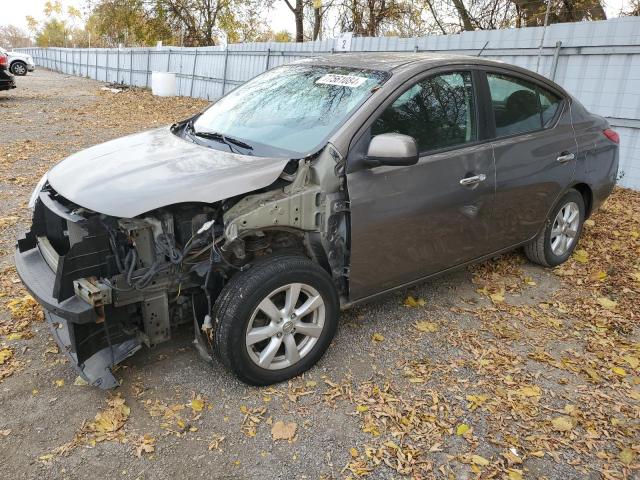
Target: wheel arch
587, 195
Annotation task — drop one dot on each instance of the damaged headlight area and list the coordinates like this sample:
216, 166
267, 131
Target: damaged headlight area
110, 285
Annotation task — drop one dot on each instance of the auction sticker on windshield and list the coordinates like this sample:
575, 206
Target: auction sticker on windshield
352, 81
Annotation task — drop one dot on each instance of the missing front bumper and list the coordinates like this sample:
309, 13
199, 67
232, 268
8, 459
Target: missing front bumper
97, 369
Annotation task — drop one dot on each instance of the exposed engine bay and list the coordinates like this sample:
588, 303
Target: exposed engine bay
121, 283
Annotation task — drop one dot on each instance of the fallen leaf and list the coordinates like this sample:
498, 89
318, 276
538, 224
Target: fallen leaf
462, 429
283, 431
428, 327
562, 423
581, 256
197, 405
59, 383
478, 460
414, 302
145, 444
607, 303
377, 337
626, 456
621, 372
216, 442
515, 474
5, 354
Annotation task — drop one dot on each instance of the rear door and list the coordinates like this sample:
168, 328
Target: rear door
411, 221
535, 153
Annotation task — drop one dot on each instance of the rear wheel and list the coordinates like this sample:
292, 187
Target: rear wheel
275, 320
555, 244
18, 68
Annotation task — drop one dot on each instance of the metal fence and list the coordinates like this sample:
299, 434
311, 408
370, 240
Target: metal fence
598, 62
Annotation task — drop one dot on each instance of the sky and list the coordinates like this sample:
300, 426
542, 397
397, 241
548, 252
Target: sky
14, 12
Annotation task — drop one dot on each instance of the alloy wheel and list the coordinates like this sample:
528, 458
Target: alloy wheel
285, 326
19, 69
565, 229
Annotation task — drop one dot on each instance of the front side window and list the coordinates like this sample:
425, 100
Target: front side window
291, 110
438, 112
520, 106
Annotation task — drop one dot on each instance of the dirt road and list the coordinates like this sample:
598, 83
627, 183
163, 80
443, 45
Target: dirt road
501, 370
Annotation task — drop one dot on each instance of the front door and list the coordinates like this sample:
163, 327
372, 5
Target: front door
411, 221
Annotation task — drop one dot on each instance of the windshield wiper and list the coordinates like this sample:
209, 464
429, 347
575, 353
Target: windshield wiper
218, 137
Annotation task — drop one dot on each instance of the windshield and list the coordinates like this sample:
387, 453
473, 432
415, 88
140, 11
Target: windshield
291, 110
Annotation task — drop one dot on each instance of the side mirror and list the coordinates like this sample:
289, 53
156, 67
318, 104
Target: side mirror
392, 149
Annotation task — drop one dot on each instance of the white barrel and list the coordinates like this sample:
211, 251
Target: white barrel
163, 84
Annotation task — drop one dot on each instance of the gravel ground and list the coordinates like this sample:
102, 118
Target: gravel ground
476, 374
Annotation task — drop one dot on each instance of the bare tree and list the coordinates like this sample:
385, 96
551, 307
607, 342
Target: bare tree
298, 13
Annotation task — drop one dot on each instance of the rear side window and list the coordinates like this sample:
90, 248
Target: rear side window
438, 112
516, 108
520, 106
549, 102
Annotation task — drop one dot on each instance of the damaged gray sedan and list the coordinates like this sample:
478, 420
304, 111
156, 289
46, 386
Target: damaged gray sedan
312, 187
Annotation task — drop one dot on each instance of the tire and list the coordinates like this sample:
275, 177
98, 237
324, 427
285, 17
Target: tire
238, 315
541, 249
18, 68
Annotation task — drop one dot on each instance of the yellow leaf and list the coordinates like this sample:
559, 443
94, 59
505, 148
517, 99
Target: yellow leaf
626, 456
59, 383
14, 336
5, 354
353, 452
589, 223
79, 381
476, 401
581, 256
600, 275
634, 362
311, 383
414, 302
621, 372
197, 405
530, 391
515, 474
478, 460
425, 326
562, 423
497, 297
462, 429
362, 408
377, 337
607, 303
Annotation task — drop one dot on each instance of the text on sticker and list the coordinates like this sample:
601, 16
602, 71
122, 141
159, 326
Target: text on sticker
352, 81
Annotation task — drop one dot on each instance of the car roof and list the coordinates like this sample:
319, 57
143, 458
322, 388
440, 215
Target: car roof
387, 61
413, 62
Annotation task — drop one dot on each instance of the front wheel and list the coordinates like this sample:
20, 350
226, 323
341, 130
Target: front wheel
19, 68
555, 243
275, 320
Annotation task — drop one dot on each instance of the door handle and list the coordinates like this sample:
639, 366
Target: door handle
466, 181
565, 157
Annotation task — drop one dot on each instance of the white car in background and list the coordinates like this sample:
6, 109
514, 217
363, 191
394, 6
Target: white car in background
19, 63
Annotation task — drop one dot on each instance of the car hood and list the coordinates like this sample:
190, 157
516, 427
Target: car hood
138, 173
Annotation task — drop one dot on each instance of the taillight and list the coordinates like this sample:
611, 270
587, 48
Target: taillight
612, 135
3, 61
